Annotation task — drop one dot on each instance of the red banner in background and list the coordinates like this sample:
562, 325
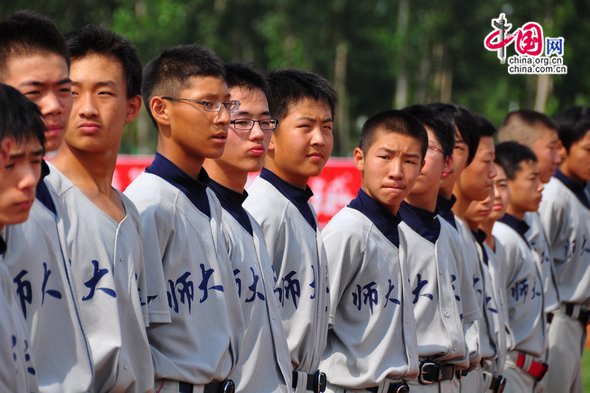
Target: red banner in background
333, 189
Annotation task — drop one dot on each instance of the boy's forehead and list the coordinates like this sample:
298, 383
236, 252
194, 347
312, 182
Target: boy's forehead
35, 67
205, 86
31, 144
390, 139
309, 107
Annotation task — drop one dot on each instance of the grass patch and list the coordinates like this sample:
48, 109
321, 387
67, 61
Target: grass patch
586, 369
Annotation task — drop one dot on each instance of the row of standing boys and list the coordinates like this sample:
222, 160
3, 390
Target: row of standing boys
460, 266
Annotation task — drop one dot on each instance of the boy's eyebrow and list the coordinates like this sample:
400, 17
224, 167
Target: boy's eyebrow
326, 120
393, 151
21, 154
38, 152
37, 83
100, 83
245, 113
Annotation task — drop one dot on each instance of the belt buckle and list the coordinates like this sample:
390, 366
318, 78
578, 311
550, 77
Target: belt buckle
228, 386
402, 388
319, 382
501, 385
429, 368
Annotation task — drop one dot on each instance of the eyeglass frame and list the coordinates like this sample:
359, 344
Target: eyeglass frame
233, 124
204, 103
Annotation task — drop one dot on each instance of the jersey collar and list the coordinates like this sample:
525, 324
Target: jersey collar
296, 195
42, 192
444, 208
520, 226
423, 222
383, 219
232, 201
577, 188
480, 237
194, 189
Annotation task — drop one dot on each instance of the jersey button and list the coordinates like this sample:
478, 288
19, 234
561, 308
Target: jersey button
447, 313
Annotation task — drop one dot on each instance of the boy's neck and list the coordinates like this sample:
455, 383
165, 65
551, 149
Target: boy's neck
87, 170
515, 212
426, 201
292, 179
564, 168
187, 163
461, 204
230, 178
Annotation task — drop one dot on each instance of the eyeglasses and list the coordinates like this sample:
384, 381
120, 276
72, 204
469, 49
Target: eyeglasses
231, 106
436, 149
248, 124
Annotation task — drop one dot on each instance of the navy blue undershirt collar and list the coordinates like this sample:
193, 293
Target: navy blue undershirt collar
480, 237
444, 208
232, 202
296, 195
194, 189
42, 192
383, 219
2, 246
577, 188
423, 222
520, 226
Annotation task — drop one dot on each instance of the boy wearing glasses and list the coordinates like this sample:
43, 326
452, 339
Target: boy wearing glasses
195, 342
265, 364
304, 105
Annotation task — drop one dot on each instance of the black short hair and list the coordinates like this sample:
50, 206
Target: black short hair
93, 39
20, 118
290, 86
510, 154
484, 126
394, 121
170, 70
442, 129
25, 32
520, 126
572, 125
461, 118
245, 76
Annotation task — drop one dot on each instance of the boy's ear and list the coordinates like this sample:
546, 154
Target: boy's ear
562, 152
359, 159
133, 108
160, 111
4, 151
447, 166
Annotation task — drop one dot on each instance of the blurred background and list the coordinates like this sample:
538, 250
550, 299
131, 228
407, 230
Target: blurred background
378, 54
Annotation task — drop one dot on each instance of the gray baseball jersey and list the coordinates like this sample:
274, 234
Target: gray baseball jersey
199, 342
485, 293
265, 362
37, 266
433, 271
567, 225
372, 333
299, 262
106, 273
17, 367
538, 240
524, 290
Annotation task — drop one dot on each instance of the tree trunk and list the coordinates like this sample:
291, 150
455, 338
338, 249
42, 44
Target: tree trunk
342, 119
401, 83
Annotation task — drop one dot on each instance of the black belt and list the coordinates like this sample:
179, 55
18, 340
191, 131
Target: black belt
583, 314
498, 384
316, 382
394, 387
226, 386
431, 372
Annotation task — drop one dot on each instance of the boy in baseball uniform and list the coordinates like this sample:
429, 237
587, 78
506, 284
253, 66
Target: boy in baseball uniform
525, 363
21, 150
34, 59
265, 363
100, 225
565, 213
372, 343
195, 343
304, 105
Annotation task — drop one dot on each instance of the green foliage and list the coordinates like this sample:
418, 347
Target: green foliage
439, 51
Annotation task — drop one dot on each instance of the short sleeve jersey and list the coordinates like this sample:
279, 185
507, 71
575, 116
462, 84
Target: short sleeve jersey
197, 338
372, 332
107, 277
299, 263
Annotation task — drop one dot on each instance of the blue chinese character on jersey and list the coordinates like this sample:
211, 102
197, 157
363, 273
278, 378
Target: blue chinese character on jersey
238, 282
185, 290
289, 288
26, 355
24, 292
51, 292
419, 287
92, 283
520, 289
477, 285
584, 249
388, 297
253, 288
489, 306
453, 279
366, 294
204, 285
312, 285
